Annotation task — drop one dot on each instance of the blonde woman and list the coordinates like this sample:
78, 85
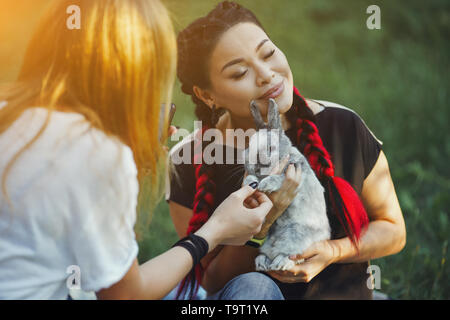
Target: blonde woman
78, 136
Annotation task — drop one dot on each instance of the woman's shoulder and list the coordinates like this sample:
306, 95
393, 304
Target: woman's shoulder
78, 136
342, 115
69, 141
84, 170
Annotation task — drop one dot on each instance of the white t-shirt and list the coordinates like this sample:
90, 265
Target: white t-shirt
73, 195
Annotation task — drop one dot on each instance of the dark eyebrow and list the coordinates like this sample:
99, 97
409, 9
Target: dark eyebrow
260, 44
231, 63
239, 60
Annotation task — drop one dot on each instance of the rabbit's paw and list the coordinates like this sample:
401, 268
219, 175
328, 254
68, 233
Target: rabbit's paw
262, 263
249, 179
282, 262
271, 183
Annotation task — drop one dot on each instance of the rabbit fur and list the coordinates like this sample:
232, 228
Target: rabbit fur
305, 221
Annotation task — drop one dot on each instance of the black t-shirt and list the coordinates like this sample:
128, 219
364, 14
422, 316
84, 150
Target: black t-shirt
354, 151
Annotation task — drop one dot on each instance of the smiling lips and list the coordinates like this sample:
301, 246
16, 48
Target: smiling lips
273, 92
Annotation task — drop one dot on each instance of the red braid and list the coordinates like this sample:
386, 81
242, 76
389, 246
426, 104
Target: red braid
204, 186
202, 208
339, 193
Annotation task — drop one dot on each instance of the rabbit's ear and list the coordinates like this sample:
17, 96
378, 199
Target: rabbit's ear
259, 122
273, 116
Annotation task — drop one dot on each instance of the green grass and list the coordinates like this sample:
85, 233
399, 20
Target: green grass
396, 78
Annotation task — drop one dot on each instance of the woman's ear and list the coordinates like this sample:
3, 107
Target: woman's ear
203, 95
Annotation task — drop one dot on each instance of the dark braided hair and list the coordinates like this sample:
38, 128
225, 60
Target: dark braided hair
195, 45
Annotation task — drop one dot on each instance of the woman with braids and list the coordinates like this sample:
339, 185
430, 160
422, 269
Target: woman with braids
79, 134
226, 60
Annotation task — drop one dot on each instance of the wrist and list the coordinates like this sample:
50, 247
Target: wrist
255, 242
337, 250
207, 233
264, 228
197, 246
261, 235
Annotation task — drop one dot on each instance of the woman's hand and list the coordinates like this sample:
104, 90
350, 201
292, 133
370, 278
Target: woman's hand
232, 223
316, 258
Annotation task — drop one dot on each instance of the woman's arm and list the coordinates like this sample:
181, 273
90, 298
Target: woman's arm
224, 262
157, 277
231, 222
152, 280
385, 235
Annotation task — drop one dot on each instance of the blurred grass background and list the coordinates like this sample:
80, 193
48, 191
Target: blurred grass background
395, 78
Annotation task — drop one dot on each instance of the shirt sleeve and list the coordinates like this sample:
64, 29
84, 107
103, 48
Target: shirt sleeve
104, 205
371, 146
180, 184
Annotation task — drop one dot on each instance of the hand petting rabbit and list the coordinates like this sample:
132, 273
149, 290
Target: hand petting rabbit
305, 220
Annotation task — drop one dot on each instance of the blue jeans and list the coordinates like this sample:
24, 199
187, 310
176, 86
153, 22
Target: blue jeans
201, 294
249, 286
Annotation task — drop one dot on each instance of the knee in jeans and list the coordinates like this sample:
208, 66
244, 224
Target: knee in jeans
252, 279
253, 285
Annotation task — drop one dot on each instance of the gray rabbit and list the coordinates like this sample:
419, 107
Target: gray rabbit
305, 221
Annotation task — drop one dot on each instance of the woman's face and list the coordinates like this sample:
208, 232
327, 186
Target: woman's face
245, 65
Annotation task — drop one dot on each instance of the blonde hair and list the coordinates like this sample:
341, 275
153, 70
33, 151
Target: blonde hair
116, 70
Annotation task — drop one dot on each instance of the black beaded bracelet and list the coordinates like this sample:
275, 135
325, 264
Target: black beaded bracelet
189, 247
201, 243
196, 245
